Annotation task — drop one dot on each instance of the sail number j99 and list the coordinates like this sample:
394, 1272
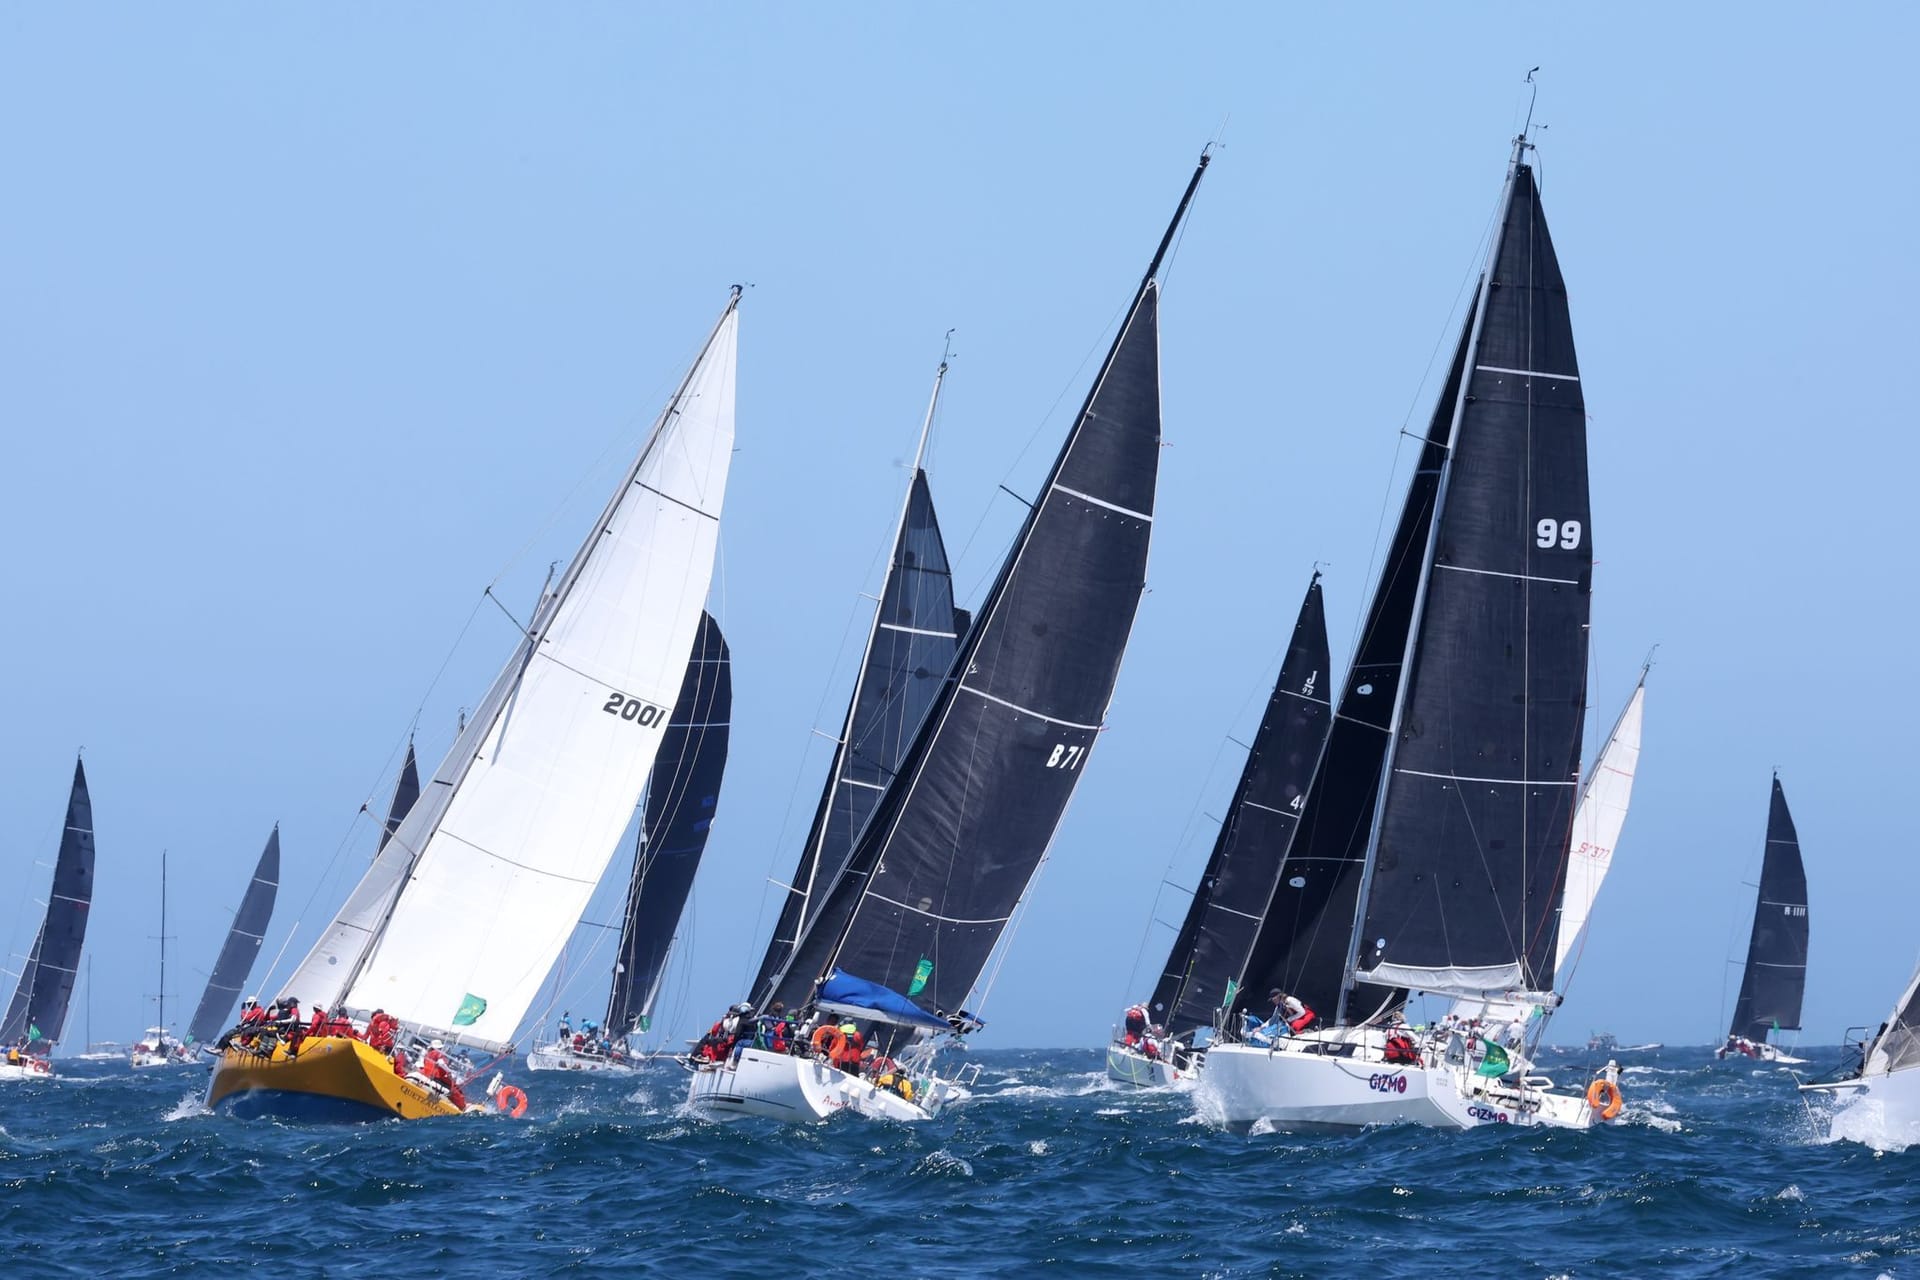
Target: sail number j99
638, 710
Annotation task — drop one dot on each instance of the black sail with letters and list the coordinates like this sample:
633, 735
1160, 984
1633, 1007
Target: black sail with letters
39, 1008
682, 796
957, 837
242, 947
909, 651
1775, 978
1212, 945
1483, 773
405, 792
1306, 933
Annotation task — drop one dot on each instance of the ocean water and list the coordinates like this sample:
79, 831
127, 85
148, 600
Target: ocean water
1720, 1171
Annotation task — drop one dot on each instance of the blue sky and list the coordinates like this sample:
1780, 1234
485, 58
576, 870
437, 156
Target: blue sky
315, 323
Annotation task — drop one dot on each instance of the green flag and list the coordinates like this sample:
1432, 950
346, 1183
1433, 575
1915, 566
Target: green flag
646, 1023
1495, 1064
470, 1010
1233, 989
1776, 1024
33, 1033
921, 972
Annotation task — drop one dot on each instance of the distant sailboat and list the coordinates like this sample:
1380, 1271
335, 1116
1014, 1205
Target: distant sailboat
238, 952
38, 1012
1433, 845
156, 1048
1210, 951
901, 937
683, 798
451, 933
1775, 975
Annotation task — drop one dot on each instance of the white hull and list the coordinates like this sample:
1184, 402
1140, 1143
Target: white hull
553, 1058
1298, 1084
1128, 1066
141, 1061
8, 1071
758, 1082
1762, 1053
1882, 1111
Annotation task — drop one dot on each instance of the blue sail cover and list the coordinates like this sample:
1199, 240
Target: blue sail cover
848, 992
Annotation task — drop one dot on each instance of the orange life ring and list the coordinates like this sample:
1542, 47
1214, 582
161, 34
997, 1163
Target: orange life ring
1604, 1096
834, 1040
511, 1099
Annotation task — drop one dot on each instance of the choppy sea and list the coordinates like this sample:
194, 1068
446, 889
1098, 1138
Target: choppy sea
1721, 1171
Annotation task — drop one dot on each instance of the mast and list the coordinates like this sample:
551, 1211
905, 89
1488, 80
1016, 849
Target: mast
1481, 302
163, 948
951, 849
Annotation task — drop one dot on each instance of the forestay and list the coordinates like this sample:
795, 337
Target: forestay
502, 852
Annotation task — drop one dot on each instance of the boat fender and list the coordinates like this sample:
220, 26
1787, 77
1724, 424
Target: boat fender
511, 1099
831, 1041
1604, 1096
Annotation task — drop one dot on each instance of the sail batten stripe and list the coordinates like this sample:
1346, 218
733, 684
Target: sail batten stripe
1267, 808
678, 502
1528, 373
1522, 577
871, 786
1458, 777
881, 897
1028, 711
916, 631
1102, 502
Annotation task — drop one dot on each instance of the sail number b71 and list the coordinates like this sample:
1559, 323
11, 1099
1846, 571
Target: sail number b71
638, 710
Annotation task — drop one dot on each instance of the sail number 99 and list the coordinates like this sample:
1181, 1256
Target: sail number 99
638, 710
1564, 534
1066, 757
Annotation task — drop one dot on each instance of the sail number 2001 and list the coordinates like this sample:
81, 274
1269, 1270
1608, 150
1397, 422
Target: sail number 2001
639, 710
1066, 757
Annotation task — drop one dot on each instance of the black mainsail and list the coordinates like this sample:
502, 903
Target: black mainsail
1483, 766
682, 797
1775, 978
242, 947
959, 833
1212, 946
38, 1012
909, 650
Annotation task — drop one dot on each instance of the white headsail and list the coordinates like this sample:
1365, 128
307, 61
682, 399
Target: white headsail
1597, 824
457, 922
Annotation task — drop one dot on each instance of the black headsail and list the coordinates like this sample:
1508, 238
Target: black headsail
405, 792
39, 1009
1305, 938
1776, 974
1483, 767
1211, 948
241, 948
683, 795
947, 855
909, 651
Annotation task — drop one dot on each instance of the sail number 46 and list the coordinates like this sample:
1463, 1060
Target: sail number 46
1066, 757
1564, 534
639, 710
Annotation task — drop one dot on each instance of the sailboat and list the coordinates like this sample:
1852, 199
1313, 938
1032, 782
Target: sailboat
682, 799
1209, 953
1879, 1097
237, 953
38, 1011
902, 934
157, 1047
1775, 976
1434, 840
450, 934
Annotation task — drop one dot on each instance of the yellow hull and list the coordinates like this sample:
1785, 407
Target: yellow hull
331, 1078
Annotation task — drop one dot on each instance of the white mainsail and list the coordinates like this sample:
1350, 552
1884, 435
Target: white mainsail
1597, 824
502, 852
